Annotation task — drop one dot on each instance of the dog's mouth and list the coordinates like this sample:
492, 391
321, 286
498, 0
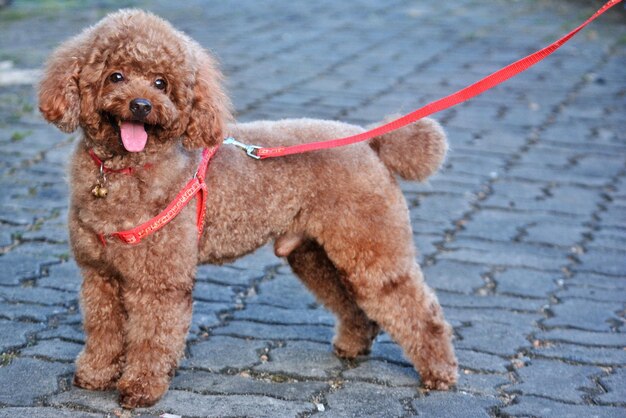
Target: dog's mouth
133, 133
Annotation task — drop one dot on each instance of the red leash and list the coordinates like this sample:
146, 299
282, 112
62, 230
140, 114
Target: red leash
196, 187
433, 107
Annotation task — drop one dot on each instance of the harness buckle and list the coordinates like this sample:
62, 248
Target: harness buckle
250, 149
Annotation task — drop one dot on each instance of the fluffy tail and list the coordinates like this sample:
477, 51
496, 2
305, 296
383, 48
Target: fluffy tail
414, 152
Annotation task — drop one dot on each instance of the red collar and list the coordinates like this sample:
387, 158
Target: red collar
196, 187
100, 163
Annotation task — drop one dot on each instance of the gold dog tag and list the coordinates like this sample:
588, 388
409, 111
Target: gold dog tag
99, 191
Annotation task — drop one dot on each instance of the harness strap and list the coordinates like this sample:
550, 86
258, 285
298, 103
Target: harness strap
453, 99
196, 187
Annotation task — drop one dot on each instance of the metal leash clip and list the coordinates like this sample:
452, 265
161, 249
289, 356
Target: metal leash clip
250, 149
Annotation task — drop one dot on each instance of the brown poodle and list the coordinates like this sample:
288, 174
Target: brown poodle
147, 99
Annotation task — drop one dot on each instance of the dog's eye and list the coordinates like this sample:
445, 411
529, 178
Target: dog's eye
116, 77
160, 84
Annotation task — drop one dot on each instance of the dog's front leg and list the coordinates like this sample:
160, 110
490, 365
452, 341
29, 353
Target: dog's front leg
159, 314
99, 365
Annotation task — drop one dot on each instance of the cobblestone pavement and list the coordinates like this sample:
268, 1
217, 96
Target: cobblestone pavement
523, 234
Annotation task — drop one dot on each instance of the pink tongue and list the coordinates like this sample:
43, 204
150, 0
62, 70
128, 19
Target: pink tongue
134, 136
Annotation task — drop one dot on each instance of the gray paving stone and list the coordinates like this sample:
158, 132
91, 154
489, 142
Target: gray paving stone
53, 350
608, 238
611, 262
524, 282
227, 275
276, 331
564, 199
294, 316
594, 293
381, 372
585, 314
455, 276
482, 384
29, 312
442, 404
44, 412
554, 380
357, 399
540, 407
552, 234
489, 315
443, 209
209, 383
64, 276
301, 358
103, 401
66, 332
221, 352
508, 255
482, 362
213, 293
24, 380
385, 349
191, 404
56, 233
600, 281
564, 175
274, 291
602, 356
500, 339
206, 314
489, 301
616, 387
613, 216
258, 260
7, 234
17, 267
497, 225
588, 338
36, 295
426, 244
15, 334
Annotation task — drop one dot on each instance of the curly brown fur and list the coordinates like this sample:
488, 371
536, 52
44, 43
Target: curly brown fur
338, 215
414, 152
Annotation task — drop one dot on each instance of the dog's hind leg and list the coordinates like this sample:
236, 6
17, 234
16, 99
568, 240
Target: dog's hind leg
373, 246
355, 331
408, 310
99, 364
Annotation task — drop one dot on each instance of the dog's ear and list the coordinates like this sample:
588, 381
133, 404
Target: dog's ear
59, 96
210, 108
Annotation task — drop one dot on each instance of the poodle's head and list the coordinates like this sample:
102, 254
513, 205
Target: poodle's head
132, 82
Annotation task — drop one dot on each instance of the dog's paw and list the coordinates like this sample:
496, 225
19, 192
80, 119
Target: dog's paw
140, 392
349, 353
354, 341
95, 377
93, 382
440, 378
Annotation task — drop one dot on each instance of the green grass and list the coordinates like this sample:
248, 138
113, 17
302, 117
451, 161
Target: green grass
19, 136
6, 358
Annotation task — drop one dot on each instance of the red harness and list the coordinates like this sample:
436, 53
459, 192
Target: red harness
196, 187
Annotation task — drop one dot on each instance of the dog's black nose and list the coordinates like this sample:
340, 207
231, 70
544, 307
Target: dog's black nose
140, 107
